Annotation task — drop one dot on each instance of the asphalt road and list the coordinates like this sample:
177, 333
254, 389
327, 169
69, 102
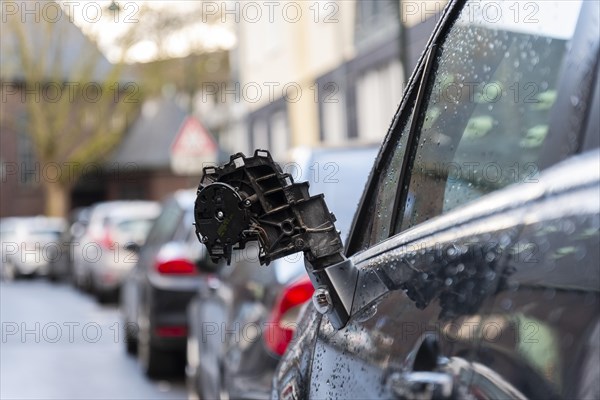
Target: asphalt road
60, 344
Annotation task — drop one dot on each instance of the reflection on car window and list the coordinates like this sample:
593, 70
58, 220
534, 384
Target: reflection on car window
488, 106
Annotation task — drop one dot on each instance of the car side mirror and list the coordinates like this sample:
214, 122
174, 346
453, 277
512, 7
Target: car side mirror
133, 247
251, 199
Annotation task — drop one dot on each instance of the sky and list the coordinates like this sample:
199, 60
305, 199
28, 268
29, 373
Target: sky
104, 25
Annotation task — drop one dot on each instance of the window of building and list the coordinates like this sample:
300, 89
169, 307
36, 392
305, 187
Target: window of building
376, 20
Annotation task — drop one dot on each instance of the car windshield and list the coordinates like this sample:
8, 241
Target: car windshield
134, 229
164, 227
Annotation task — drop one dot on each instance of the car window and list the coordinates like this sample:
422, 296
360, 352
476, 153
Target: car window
134, 230
487, 107
165, 225
186, 227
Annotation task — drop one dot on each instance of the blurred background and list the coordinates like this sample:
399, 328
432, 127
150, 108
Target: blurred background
109, 111
128, 100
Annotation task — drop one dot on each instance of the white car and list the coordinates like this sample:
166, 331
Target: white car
28, 243
101, 258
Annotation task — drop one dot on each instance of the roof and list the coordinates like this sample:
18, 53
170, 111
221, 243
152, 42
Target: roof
65, 50
148, 142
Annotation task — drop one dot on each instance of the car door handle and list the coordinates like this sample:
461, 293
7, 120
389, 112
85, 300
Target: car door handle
421, 385
426, 378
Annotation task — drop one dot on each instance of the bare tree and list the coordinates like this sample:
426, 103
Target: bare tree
83, 103
78, 105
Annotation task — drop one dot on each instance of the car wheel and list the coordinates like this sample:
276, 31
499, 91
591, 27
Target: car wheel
131, 343
81, 283
155, 362
102, 296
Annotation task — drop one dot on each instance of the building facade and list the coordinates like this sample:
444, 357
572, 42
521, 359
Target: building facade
340, 82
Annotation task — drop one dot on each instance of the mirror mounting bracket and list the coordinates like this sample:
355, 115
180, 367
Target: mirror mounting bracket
252, 199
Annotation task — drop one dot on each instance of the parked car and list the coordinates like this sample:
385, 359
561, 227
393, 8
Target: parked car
125, 230
27, 244
100, 258
476, 240
61, 259
157, 291
243, 320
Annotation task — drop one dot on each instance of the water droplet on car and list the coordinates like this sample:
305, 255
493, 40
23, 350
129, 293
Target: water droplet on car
574, 101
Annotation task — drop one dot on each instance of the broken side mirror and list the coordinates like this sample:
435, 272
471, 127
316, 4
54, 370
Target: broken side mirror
252, 199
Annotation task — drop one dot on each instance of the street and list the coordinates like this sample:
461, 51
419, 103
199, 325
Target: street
58, 343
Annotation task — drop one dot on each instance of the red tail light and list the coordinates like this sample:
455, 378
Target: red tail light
105, 239
171, 331
281, 325
176, 267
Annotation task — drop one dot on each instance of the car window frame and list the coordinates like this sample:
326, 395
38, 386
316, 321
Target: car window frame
363, 218
569, 81
574, 80
592, 138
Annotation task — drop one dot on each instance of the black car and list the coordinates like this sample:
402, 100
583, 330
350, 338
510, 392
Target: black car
156, 293
242, 322
468, 288
472, 266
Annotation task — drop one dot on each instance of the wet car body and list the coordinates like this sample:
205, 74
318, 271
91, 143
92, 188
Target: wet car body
227, 351
495, 295
525, 317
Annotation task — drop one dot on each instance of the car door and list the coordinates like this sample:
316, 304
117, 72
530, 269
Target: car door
431, 240
549, 302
